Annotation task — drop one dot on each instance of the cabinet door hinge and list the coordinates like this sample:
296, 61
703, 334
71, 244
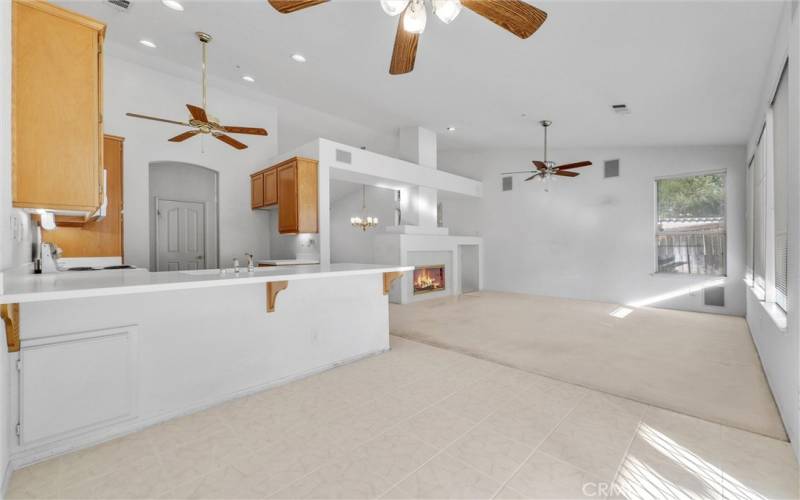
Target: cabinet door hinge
19, 429
19, 365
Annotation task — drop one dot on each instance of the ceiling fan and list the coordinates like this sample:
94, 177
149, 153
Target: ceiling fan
515, 16
545, 169
200, 121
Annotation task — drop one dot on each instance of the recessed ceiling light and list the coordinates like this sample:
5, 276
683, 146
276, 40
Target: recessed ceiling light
451, 129
147, 43
173, 4
299, 58
248, 78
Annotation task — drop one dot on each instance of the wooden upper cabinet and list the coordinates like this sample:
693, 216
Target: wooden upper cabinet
270, 187
57, 108
263, 189
101, 237
292, 185
257, 190
297, 196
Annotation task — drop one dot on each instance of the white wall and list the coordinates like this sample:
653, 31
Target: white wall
8, 254
130, 87
590, 237
779, 349
349, 244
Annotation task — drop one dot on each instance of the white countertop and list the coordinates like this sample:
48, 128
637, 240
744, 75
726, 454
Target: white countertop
19, 288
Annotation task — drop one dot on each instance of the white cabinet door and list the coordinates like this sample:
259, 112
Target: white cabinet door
75, 383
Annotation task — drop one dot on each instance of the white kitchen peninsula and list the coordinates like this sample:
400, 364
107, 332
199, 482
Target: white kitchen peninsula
104, 353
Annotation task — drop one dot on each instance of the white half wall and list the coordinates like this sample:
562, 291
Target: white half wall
236, 348
590, 237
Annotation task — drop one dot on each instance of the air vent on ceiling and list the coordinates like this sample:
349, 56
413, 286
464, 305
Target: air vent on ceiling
714, 296
621, 109
344, 156
507, 183
120, 4
611, 168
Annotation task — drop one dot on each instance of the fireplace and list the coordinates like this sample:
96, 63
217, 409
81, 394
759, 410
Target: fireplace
428, 279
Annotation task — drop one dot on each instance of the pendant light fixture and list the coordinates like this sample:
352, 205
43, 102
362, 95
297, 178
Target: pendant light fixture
364, 221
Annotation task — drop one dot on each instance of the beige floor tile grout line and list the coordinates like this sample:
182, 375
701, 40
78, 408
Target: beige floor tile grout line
385, 431
536, 448
627, 450
444, 449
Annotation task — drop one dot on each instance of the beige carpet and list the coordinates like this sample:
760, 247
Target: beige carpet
704, 365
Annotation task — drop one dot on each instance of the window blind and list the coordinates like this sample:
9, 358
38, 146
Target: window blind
759, 216
780, 155
749, 221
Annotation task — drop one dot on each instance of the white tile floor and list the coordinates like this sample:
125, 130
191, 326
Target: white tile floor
421, 422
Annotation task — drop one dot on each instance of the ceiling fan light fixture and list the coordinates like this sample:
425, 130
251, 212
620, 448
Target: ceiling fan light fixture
394, 7
415, 17
446, 10
172, 4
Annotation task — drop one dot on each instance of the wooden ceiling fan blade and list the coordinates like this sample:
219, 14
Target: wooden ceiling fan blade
518, 17
567, 174
574, 165
198, 113
532, 177
230, 141
405, 50
186, 135
520, 172
540, 164
245, 130
289, 6
145, 117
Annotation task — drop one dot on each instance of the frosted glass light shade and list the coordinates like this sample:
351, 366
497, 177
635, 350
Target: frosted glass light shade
446, 10
394, 7
415, 17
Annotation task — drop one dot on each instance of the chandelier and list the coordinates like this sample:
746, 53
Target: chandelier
364, 221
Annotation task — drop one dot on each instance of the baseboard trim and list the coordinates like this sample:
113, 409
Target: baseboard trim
9, 469
23, 458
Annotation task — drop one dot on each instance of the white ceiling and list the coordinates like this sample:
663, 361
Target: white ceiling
692, 72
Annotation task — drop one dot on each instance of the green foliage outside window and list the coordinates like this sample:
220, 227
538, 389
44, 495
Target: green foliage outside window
696, 196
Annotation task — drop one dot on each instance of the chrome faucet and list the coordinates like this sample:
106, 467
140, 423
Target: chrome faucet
236, 266
250, 266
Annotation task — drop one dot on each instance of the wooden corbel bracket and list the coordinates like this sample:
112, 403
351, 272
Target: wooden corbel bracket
10, 315
273, 287
388, 279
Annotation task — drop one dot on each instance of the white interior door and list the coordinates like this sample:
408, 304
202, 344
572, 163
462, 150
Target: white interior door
181, 235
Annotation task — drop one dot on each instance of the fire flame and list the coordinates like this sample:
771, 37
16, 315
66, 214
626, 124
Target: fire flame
424, 279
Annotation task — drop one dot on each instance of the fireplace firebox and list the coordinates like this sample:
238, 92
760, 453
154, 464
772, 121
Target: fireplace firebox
429, 279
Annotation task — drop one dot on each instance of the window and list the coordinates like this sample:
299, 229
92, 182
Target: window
780, 162
690, 229
767, 201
